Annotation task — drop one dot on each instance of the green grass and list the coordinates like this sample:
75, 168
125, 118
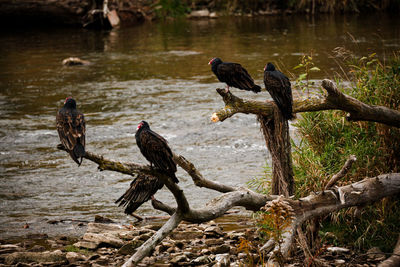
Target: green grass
327, 141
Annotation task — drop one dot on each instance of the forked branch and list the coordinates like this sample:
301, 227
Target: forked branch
356, 194
358, 111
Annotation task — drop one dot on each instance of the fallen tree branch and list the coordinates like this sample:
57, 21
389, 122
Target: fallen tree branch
198, 179
148, 246
214, 209
359, 193
134, 168
358, 111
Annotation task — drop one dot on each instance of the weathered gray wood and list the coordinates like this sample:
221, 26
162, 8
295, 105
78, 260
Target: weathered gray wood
355, 194
358, 111
148, 246
277, 139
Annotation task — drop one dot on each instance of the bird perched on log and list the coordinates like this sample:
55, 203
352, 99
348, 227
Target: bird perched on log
234, 75
142, 188
155, 149
278, 86
71, 130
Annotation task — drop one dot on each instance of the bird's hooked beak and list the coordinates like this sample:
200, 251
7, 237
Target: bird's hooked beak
209, 63
139, 126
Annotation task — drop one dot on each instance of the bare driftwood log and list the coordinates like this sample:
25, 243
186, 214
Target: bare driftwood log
359, 193
214, 209
358, 111
367, 190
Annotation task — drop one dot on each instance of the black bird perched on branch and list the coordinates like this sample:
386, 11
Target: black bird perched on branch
71, 130
141, 190
278, 86
156, 150
233, 74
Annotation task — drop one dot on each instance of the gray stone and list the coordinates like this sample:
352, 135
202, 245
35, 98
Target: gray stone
339, 262
94, 257
101, 228
189, 235
242, 255
205, 251
220, 249
199, 13
190, 254
37, 248
214, 242
202, 260
130, 248
9, 248
74, 61
101, 219
213, 231
179, 258
213, 15
105, 239
338, 250
74, 257
103, 260
87, 245
236, 235
58, 257
222, 260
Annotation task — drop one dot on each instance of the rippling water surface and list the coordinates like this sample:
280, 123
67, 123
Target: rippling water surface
156, 72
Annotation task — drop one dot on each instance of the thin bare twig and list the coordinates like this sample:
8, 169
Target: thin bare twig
345, 169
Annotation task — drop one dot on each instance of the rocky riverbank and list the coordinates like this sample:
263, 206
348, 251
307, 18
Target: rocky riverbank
111, 244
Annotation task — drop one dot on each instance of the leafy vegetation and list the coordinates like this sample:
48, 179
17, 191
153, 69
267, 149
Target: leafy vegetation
327, 140
176, 8
171, 8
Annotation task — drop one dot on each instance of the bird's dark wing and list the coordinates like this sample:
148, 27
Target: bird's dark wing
237, 76
71, 130
141, 189
278, 85
156, 150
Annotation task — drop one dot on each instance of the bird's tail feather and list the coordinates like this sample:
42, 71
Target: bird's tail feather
173, 176
79, 152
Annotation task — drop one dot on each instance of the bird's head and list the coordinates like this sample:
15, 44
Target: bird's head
214, 61
70, 102
269, 67
143, 124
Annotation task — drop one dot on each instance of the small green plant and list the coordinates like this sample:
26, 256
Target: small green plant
262, 184
72, 248
272, 221
171, 8
307, 66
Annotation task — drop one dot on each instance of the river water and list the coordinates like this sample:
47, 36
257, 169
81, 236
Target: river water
156, 72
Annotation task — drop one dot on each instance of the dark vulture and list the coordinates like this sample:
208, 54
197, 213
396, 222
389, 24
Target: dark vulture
278, 86
234, 75
156, 150
141, 190
71, 130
